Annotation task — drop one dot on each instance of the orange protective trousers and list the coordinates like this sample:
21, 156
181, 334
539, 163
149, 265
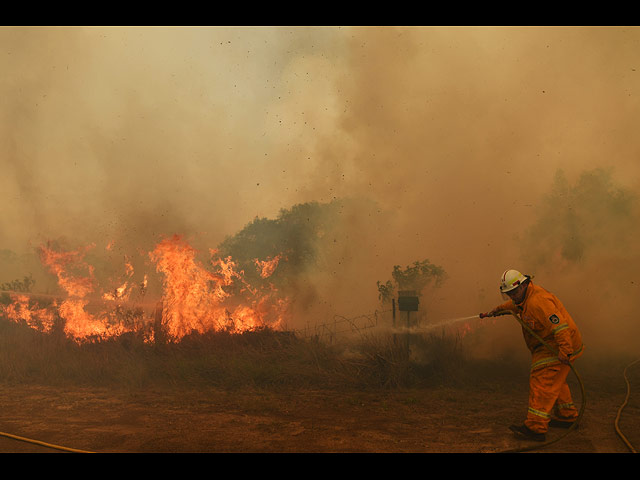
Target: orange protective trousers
549, 394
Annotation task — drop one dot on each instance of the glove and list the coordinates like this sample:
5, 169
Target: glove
493, 313
564, 358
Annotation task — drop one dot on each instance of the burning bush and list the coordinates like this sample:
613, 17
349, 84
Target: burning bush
194, 298
296, 239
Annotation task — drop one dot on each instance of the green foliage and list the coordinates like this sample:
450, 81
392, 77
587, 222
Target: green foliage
416, 277
298, 235
18, 285
576, 220
385, 291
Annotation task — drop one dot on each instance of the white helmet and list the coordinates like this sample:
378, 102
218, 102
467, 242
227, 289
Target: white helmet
511, 279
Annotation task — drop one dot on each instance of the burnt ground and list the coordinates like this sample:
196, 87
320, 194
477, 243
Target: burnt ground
422, 420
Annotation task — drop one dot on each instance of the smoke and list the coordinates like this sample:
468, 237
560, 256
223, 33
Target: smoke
453, 135
461, 132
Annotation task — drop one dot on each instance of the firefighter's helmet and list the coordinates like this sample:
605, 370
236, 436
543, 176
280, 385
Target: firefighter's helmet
511, 279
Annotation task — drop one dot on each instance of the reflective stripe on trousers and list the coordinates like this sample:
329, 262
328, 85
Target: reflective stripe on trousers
548, 390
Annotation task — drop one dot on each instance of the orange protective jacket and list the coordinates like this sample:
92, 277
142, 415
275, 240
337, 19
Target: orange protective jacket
545, 314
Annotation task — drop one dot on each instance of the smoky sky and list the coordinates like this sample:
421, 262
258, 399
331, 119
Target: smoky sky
126, 134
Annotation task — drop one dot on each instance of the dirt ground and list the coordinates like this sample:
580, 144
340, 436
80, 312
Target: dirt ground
436, 420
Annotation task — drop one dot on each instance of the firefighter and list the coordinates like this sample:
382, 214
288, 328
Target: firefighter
550, 402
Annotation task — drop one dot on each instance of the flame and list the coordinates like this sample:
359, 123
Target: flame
20, 310
123, 292
267, 267
65, 264
195, 299
143, 285
68, 268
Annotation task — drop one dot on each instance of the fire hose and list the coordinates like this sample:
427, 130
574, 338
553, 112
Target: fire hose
44, 444
574, 425
620, 434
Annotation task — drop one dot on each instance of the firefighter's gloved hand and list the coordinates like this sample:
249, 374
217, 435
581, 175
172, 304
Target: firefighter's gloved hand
492, 313
564, 358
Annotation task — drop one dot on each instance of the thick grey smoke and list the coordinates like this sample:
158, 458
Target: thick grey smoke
455, 135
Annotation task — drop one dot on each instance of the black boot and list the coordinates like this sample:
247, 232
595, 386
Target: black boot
556, 422
522, 431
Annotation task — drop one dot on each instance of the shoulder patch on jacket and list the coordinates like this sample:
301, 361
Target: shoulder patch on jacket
554, 319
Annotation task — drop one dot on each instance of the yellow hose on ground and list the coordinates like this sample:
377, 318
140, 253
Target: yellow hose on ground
44, 444
582, 391
620, 434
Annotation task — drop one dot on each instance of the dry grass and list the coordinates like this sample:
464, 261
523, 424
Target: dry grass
262, 358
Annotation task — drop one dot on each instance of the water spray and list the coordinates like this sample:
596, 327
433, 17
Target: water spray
433, 326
